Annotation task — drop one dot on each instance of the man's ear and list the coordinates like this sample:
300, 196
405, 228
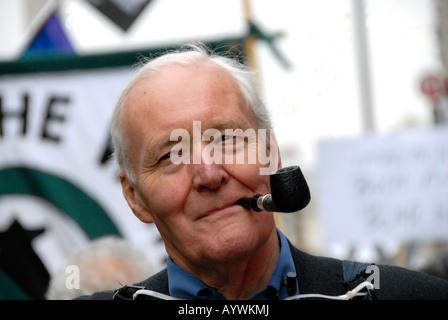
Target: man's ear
134, 199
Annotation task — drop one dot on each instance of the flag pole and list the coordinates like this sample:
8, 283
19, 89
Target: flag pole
249, 48
249, 45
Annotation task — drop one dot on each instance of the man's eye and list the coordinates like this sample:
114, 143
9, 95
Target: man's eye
227, 138
171, 154
232, 140
224, 137
165, 156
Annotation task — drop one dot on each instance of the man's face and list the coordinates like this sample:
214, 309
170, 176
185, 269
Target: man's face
192, 205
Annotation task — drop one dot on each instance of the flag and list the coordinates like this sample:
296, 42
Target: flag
51, 39
122, 13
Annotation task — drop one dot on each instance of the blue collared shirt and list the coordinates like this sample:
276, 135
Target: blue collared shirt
184, 285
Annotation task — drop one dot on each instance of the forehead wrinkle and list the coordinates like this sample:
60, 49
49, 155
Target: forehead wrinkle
225, 124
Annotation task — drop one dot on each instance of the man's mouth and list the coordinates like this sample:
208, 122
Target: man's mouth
249, 203
216, 210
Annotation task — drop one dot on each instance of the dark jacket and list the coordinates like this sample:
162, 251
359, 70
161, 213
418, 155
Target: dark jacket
325, 276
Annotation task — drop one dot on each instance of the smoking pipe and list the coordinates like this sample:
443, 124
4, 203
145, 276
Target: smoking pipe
289, 193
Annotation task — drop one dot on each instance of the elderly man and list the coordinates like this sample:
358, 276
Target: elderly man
163, 127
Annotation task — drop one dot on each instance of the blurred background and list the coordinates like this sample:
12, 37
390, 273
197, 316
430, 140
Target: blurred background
357, 90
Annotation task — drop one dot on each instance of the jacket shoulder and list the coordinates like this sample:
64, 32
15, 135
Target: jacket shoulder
317, 274
404, 284
158, 282
326, 276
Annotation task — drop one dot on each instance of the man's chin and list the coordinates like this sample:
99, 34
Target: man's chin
232, 246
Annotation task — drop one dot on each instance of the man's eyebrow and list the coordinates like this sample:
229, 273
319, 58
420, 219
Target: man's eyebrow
163, 143
153, 152
226, 124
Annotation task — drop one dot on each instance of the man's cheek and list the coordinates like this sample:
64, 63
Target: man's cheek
249, 175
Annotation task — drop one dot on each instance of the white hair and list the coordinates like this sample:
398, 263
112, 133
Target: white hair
187, 55
106, 263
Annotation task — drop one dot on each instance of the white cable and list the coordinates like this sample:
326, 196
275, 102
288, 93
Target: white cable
349, 295
153, 294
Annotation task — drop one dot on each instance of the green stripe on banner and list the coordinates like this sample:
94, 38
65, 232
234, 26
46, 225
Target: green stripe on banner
233, 47
90, 216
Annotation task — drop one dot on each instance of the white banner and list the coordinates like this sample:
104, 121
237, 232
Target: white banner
385, 187
56, 184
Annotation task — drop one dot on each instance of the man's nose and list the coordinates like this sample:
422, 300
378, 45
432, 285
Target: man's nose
209, 176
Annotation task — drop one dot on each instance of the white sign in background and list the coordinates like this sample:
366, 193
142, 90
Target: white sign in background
385, 187
73, 108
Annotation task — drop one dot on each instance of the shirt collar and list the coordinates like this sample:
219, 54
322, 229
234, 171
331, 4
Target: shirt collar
184, 285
